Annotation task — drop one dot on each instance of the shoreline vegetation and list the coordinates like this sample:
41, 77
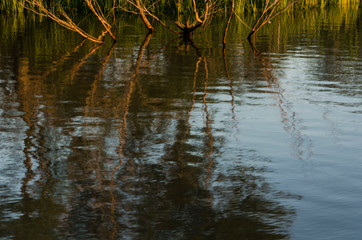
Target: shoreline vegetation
181, 17
174, 7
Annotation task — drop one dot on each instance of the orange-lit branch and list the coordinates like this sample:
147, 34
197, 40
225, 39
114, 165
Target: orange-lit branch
38, 7
268, 14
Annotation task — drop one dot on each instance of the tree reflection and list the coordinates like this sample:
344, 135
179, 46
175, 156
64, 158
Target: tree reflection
302, 146
169, 185
41, 205
134, 154
230, 80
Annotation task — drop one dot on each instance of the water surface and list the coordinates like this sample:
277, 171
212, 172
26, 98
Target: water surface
152, 138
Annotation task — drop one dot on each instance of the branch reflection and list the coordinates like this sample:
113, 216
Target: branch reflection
168, 184
231, 91
302, 146
125, 142
43, 145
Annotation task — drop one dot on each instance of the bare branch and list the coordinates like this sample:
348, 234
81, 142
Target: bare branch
228, 22
100, 16
269, 13
39, 8
185, 28
143, 16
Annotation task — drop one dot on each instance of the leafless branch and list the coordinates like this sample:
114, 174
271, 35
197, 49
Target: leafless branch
268, 14
38, 7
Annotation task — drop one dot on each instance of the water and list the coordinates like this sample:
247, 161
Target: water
154, 139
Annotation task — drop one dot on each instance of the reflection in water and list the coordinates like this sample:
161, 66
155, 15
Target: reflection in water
146, 138
160, 180
230, 82
302, 146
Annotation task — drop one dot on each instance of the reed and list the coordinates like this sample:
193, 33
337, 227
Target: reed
178, 7
322, 4
11, 6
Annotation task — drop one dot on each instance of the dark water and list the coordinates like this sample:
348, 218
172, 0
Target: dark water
152, 138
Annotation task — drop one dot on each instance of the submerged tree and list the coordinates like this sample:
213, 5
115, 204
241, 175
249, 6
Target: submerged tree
269, 12
191, 19
187, 28
59, 15
228, 22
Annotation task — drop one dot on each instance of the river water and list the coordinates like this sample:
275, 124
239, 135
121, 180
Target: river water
154, 138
